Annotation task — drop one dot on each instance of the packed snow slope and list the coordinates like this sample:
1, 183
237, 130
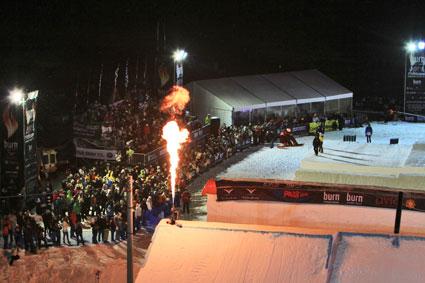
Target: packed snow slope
377, 258
315, 216
378, 163
218, 252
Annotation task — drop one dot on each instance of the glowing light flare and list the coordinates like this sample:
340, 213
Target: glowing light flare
16, 96
179, 55
421, 45
411, 47
174, 137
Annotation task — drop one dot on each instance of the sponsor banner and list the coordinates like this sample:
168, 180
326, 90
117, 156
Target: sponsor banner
414, 201
12, 141
312, 127
330, 125
300, 192
415, 82
99, 154
179, 73
30, 144
86, 131
299, 129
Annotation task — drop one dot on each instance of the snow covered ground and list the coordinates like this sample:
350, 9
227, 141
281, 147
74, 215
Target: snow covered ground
378, 163
75, 264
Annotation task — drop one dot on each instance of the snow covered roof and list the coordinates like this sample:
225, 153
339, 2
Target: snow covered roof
279, 89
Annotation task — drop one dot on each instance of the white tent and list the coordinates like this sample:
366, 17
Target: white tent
281, 93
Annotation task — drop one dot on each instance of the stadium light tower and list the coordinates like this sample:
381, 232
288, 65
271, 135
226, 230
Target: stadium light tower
179, 56
18, 97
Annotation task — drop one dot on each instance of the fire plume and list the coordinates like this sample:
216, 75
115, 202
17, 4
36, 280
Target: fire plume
174, 137
175, 101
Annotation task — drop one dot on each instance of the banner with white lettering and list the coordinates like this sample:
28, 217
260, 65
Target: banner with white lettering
301, 192
30, 143
415, 82
99, 154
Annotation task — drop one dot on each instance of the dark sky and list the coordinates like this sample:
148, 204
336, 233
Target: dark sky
49, 44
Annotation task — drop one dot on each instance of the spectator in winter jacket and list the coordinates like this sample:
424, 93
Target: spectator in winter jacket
79, 233
368, 133
5, 233
113, 228
65, 231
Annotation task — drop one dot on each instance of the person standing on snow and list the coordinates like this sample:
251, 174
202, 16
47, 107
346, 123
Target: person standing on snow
316, 144
368, 133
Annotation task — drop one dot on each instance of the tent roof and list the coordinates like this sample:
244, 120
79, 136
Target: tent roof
279, 89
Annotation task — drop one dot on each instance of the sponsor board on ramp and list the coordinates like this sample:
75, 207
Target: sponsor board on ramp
316, 193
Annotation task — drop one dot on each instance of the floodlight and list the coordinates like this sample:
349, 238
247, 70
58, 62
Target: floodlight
179, 55
16, 96
411, 47
421, 45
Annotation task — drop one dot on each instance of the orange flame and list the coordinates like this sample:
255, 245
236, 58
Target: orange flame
175, 101
174, 137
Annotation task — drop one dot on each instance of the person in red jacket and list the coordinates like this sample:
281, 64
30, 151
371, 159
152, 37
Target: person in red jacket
185, 196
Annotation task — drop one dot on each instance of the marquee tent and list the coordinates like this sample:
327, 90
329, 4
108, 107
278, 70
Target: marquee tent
244, 98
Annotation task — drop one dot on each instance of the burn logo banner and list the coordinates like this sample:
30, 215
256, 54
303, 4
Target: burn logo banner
315, 193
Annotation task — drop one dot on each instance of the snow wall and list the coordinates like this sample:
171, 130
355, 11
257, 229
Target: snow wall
336, 173
316, 216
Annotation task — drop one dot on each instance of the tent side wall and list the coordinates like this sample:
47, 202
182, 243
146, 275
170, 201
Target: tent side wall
203, 102
342, 105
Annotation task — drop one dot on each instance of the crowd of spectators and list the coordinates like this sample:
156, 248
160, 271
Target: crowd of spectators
134, 121
95, 197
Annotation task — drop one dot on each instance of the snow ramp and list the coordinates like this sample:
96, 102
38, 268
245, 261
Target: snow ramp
377, 258
221, 252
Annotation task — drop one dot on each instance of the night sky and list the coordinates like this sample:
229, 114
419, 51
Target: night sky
53, 45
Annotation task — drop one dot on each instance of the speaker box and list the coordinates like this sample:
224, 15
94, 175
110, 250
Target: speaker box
348, 138
394, 141
214, 126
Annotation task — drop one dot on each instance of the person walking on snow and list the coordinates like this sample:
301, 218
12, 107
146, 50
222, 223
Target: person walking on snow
368, 133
